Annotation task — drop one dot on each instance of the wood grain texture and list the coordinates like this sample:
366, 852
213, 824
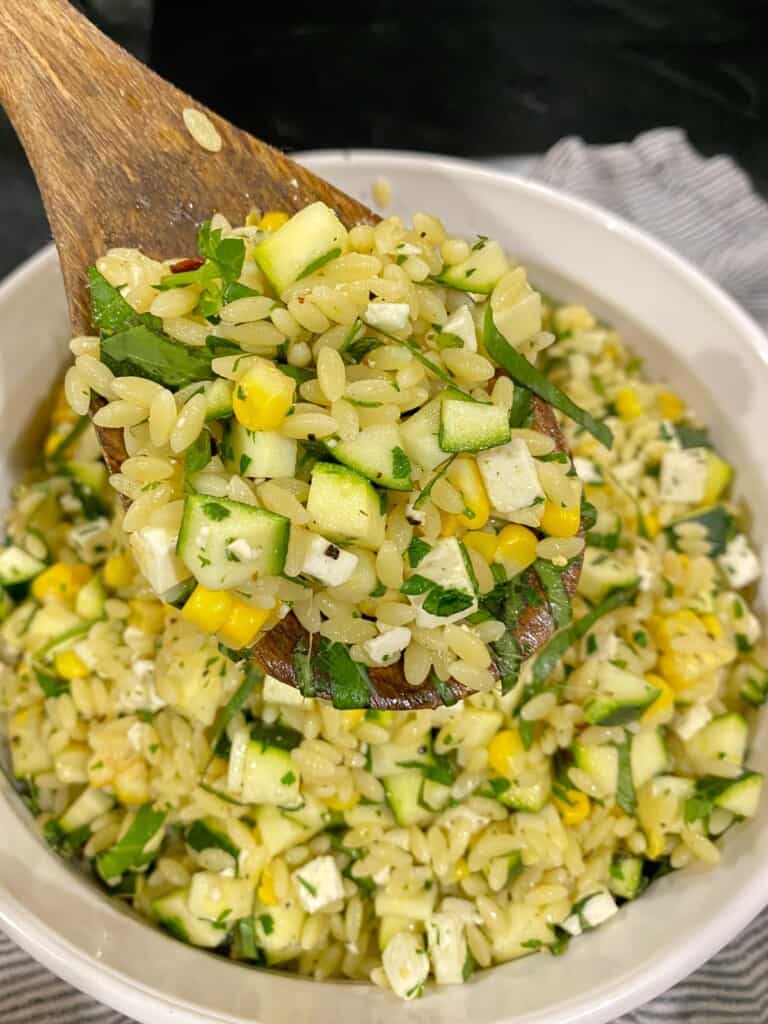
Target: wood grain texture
116, 166
113, 159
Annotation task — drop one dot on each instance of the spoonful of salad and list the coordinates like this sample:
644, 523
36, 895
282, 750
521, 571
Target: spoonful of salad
333, 444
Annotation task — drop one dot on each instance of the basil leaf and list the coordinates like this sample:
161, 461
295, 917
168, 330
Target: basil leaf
318, 263
346, 679
522, 407
552, 581
198, 455
128, 852
111, 312
524, 372
202, 275
401, 464
417, 550
228, 253
224, 715
626, 797
140, 352
275, 735
50, 684
441, 470
446, 601
417, 585
551, 653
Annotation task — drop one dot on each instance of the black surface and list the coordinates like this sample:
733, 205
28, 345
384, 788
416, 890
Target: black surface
471, 79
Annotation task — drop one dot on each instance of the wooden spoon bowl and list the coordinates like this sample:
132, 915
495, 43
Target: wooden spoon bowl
116, 166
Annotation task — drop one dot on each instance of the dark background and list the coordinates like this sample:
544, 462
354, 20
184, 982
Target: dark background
474, 78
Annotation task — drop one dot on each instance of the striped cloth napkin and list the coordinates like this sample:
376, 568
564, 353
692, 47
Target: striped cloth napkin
708, 211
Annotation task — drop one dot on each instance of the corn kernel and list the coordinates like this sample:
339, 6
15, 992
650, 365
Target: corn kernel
573, 318
70, 665
666, 630
273, 219
53, 441
651, 524
460, 870
484, 544
560, 522
449, 524
516, 548
119, 571
628, 405
266, 890
62, 580
208, 609
505, 747
352, 718
719, 474
656, 844
465, 477
334, 804
662, 708
611, 349
671, 406
712, 625
132, 783
148, 616
574, 807
262, 396
243, 624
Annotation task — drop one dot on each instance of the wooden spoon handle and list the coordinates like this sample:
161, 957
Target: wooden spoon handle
112, 156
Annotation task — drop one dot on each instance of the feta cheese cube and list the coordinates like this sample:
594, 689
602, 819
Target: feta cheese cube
240, 550
510, 477
328, 563
275, 692
445, 566
388, 316
598, 909
572, 925
687, 723
318, 883
405, 964
91, 538
389, 645
739, 562
447, 948
154, 548
587, 471
684, 475
462, 325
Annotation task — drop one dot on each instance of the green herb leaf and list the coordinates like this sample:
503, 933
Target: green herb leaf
445, 601
552, 581
524, 372
692, 437
275, 735
129, 852
441, 470
521, 413
239, 698
401, 464
417, 584
198, 455
417, 550
331, 669
551, 653
626, 797
525, 728
50, 684
315, 265
111, 312
140, 352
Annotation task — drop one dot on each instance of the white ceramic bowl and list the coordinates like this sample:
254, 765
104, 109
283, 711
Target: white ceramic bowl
693, 336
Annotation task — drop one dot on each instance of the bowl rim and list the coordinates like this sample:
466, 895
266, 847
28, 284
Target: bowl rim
610, 999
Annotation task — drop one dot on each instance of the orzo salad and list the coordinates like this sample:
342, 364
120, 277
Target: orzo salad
352, 432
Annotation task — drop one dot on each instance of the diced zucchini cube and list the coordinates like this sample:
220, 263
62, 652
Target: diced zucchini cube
344, 506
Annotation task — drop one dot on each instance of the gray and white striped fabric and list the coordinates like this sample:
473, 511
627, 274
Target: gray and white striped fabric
708, 211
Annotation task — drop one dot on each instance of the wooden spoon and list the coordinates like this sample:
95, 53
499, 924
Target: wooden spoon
116, 166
